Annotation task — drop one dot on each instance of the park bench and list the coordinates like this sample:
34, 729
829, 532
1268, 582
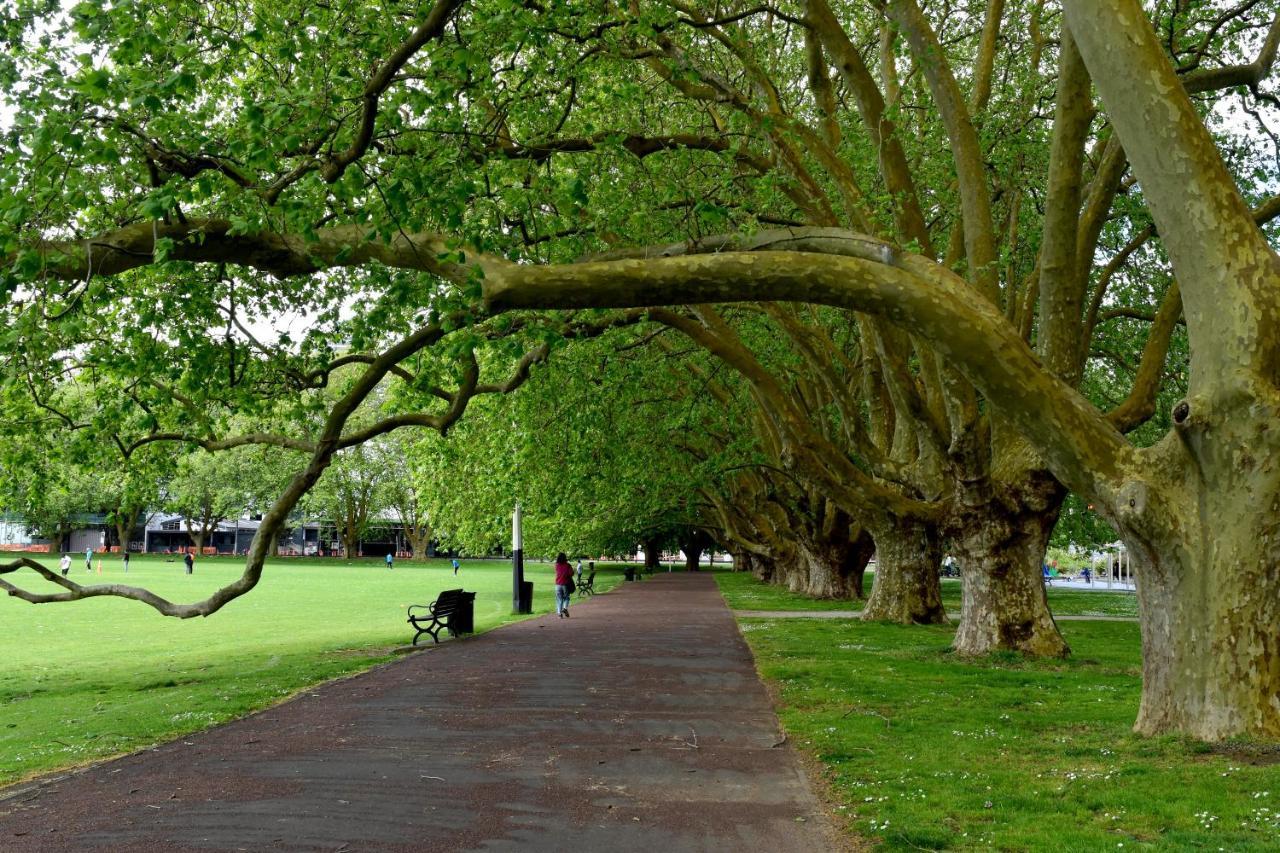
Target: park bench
443, 613
587, 587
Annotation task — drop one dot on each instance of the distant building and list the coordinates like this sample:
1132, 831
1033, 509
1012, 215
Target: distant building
163, 533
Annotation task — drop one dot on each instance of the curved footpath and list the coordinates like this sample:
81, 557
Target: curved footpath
637, 724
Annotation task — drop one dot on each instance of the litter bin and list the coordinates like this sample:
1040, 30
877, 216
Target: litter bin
630, 573
526, 597
463, 620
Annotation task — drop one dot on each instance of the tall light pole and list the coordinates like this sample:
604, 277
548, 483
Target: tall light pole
518, 604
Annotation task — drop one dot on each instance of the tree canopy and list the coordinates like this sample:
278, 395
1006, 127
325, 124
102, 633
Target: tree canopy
1030, 228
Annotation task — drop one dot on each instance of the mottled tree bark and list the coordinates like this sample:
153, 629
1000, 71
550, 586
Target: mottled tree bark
906, 588
419, 540
1000, 547
1205, 540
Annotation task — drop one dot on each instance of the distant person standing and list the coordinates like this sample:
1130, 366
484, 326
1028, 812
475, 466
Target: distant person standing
390, 559
126, 562
189, 561
455, 566
65, 564
578, 573
88, 559
564, 577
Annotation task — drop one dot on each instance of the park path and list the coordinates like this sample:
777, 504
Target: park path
638, 724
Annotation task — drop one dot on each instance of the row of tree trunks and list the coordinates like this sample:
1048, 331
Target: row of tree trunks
1000, 544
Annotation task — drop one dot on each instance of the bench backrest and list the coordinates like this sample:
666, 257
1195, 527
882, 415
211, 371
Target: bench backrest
447, 600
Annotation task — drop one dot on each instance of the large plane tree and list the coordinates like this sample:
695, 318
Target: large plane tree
177, 172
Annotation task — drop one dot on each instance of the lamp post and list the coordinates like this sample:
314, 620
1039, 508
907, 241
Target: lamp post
519, 604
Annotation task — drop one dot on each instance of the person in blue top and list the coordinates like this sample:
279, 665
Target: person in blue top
455, 565
390, 558
88, 559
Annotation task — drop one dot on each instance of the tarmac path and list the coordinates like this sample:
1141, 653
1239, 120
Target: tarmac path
638, 724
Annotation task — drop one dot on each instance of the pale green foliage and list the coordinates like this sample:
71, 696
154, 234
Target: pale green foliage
208, 488
353, 491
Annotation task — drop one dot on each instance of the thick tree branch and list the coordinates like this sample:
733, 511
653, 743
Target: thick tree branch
281, 255
894, 168
1141, 402
214, 445
1080, 447
1061, 285
1250, 74
1230, 277
975, 197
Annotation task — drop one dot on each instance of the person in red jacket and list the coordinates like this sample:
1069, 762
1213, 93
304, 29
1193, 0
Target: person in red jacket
564, 577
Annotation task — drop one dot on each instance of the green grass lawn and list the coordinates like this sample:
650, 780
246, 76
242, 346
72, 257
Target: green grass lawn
927, 751
743, 592
94, 678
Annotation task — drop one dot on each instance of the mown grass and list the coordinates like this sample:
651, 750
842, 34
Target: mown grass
743, 592
927, 751
85, 680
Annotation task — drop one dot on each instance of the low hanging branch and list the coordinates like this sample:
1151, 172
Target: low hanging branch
332, 438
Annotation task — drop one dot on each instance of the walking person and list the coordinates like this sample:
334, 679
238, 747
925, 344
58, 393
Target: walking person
455, 566
126, 562
564, 579
88, 559
65, 564
390, 559
189, 561
578, 573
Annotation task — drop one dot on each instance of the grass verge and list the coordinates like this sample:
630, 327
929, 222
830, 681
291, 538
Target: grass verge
743, 592
923, 750
83, 681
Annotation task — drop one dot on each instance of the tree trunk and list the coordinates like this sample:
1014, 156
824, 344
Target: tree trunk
906, 589
855, 566
790, 571
1205, 540
819, 576
419, 544
419, 540
652, 554
123, 529
1001, 550
832, 569
1211, 639
693, 544
761, 567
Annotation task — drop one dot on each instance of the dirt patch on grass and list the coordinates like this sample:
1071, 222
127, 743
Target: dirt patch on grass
1258, 754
